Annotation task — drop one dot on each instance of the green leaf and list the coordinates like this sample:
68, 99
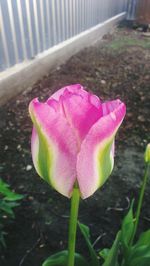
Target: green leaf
104, 253
127, 227
4, 188
5, 207
61, 259
13, 197
139, 256
144, 239
112, 256
8, 201
7, 193
86, 233
144, 261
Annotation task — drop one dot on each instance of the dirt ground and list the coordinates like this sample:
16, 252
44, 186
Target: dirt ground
117, 67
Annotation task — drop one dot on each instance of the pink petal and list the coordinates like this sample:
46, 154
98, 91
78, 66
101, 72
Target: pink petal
80, 108
81, 112
75, 88
54, 104
54, 150
95, 159
110, 106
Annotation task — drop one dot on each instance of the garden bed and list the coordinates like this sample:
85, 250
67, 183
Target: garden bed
117, 67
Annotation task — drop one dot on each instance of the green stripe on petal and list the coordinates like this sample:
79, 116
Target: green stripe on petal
95, 159
105, 162
55, 156
44, 159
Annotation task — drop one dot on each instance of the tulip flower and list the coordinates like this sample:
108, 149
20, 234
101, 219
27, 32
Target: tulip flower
73, 145
73, 139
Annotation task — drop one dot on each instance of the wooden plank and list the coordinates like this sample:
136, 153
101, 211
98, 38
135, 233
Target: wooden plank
143, 12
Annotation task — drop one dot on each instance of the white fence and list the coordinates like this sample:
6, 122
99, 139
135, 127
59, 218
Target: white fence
29, 27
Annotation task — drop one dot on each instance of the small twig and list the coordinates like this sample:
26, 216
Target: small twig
64, 216
147, 219
98, 239
29, 251
119, 208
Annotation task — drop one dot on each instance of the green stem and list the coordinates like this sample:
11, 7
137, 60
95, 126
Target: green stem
73, 226
138, 211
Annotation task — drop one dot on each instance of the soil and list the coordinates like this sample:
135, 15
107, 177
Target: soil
116, 67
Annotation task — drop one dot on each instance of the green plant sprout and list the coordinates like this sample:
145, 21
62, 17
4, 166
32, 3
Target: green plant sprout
125, 251
8, 201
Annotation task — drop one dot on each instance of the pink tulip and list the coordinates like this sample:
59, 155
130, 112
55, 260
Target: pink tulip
73, 139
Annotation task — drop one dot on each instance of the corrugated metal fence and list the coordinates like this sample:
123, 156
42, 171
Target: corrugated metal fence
28, 27
132, 5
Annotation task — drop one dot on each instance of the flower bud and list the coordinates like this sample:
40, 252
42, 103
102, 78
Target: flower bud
147, 154
73, 139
